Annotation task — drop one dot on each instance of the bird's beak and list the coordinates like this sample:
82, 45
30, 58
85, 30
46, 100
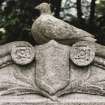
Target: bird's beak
37, 8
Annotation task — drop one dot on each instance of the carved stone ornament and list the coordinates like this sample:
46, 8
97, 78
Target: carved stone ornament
82, 53
67, 68
48, 73
52, 66
22, 54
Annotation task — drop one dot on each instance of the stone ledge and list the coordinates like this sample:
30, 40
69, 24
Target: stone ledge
73, 99
76, 103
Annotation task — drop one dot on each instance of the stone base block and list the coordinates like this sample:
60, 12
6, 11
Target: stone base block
74, 99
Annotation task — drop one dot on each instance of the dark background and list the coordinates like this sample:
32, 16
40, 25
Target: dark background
17, 16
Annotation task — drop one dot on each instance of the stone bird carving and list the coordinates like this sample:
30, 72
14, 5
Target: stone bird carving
49, 70
47, 27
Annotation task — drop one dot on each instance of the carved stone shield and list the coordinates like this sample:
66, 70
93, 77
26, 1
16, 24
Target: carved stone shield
52, 67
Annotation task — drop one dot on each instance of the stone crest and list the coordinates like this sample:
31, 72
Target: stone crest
22, 54
82, 53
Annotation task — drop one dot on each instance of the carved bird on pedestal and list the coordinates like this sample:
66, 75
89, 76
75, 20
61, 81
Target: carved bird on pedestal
47, 27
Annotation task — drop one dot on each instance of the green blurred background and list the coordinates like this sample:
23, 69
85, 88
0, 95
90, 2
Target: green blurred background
17, 16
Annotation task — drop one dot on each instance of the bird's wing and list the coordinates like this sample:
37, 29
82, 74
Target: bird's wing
47, 27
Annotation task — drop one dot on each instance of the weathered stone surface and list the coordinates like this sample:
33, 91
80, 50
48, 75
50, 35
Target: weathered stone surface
16, 80
6, 55
88, 80
74, 99
7, 48
52, 66
22, 53
100, 103
82, 53
52, 76
52, 73
46, 27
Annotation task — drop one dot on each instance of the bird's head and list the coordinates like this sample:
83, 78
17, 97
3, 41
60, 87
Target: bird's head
44, 8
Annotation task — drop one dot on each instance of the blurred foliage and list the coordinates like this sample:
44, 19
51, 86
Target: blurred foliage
17, 16
100, 12
87, 15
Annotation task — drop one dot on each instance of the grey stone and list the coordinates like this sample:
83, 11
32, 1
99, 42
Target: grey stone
7, 52
52, 66
53, 73
82, 53
22, 53
46, 27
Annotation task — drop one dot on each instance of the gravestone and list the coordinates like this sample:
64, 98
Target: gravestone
53, 73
